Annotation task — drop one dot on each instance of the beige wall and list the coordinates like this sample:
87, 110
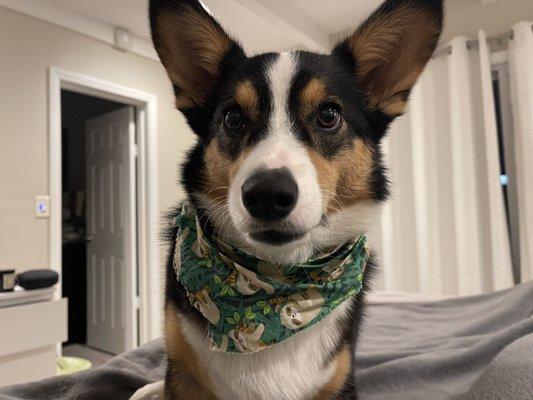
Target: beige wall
27, 48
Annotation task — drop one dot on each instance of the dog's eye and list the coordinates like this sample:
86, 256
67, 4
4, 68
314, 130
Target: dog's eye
234, 120
329, 116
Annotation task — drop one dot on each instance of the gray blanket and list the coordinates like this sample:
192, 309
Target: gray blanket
468, 348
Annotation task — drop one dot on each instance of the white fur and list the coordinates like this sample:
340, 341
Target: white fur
347, 224
290, 370
153, 391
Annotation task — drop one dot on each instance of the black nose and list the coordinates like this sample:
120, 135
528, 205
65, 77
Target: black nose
270, 194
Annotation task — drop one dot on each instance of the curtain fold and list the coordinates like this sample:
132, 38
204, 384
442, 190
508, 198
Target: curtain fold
465, 176
500, 250
521, 67
444, 231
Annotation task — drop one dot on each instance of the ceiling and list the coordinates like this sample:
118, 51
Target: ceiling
276, 25
346, 14
254, 25
129, 14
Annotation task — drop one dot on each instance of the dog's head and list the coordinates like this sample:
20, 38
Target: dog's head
288, 157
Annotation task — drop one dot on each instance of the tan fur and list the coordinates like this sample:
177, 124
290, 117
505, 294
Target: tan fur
191, 47
219, 171
391, 51
312, 95
342, 369
345, 179
328, 178
186, 379
355, 167
246, 96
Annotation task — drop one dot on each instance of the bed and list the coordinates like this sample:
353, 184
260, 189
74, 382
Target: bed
461, 348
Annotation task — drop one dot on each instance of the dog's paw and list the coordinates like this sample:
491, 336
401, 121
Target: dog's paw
153, 391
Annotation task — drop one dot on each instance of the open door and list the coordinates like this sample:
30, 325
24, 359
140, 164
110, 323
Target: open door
111, 217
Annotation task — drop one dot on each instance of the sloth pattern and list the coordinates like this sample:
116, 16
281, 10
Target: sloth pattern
247, 338
301, 309
203, 303
248, 283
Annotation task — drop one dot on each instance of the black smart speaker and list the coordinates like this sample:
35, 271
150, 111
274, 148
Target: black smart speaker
37, 279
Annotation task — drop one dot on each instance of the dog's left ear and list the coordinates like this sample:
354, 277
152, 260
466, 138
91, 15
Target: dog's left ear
389, 51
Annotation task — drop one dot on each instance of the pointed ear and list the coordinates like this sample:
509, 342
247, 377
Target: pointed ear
193, 48
390, 50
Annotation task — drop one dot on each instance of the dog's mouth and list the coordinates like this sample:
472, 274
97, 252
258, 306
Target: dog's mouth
276, 237
281, 234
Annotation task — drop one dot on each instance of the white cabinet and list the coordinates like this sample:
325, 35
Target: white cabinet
29, 334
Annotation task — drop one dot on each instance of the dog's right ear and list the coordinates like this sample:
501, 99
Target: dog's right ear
193, 48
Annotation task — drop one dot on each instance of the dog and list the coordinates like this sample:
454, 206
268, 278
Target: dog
287, 165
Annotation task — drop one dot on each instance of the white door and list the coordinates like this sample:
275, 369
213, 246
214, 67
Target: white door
111, 217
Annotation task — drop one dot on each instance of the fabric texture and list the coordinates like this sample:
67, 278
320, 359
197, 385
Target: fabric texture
252, 304
520, 67
472, 348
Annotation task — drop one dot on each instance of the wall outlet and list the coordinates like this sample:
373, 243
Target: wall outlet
42, 206
123, 39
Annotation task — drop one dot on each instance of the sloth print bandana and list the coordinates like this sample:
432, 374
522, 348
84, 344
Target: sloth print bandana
252, 304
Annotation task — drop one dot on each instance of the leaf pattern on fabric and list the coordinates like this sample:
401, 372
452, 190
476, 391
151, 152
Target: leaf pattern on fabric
252, 304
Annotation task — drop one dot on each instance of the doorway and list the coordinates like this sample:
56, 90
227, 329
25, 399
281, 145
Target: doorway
122, 126
95, 222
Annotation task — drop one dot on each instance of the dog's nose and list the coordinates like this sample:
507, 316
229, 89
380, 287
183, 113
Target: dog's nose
270, 195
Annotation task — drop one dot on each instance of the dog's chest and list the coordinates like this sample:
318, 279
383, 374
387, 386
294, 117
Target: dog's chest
294, 369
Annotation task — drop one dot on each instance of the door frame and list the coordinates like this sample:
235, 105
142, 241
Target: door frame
149, 301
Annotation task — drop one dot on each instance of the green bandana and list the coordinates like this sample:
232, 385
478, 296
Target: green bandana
252, 304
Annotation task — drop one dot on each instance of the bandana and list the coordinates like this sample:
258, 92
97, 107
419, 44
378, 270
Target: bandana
252, 304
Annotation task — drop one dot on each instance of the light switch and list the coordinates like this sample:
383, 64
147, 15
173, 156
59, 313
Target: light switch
42, 206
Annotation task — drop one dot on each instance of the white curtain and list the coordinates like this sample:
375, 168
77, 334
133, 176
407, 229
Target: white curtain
521, 72
445, 230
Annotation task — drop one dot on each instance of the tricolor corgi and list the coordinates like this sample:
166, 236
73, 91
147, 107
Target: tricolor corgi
287, 166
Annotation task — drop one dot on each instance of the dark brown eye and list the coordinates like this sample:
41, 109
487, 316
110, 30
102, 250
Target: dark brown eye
234, 120
329, 116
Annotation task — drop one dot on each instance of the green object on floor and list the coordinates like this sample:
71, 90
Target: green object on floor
70, 365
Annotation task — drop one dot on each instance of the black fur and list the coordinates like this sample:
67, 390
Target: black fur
253, 69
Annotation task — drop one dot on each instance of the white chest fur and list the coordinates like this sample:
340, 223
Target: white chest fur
291, 370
